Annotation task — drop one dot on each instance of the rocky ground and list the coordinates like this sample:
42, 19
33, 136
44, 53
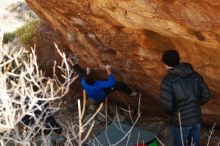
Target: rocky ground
159, 125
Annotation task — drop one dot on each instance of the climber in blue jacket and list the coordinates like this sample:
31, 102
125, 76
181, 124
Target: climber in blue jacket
97, 89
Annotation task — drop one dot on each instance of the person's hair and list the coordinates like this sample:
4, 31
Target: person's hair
171, 58
89, 78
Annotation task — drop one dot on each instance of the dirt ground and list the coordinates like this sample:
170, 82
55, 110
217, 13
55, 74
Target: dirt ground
68, 113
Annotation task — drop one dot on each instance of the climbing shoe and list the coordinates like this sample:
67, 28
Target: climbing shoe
134, 93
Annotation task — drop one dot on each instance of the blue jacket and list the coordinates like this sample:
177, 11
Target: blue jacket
96, 90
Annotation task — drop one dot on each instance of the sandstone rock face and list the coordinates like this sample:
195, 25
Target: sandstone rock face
131, 35
46, 51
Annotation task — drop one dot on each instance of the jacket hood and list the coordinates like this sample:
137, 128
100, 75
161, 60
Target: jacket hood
183, 69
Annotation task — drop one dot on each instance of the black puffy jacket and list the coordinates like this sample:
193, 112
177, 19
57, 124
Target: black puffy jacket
183, 91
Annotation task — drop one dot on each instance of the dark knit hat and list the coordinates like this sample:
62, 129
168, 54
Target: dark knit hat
171, 58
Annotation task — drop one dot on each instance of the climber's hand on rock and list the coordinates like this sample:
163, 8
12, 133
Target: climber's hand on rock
108, 69
69, 61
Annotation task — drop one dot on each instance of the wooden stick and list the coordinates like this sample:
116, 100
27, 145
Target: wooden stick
181, 130
211, 132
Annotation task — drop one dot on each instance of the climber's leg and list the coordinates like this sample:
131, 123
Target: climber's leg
122, 86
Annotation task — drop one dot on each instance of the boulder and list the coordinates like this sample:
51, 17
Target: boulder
131, 35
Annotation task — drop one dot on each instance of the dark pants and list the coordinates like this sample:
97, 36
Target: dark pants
191, 134
79, 71
49, 121
51, 124
120, 85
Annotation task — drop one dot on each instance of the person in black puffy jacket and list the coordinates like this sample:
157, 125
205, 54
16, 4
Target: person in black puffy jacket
183, 91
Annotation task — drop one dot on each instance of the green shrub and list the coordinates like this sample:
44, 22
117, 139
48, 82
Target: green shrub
27, 32
8, 37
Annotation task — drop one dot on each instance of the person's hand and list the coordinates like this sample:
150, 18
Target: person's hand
88, 70
108, 69
69, 61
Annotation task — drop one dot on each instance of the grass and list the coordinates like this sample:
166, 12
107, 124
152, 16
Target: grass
8, 37
27, 32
